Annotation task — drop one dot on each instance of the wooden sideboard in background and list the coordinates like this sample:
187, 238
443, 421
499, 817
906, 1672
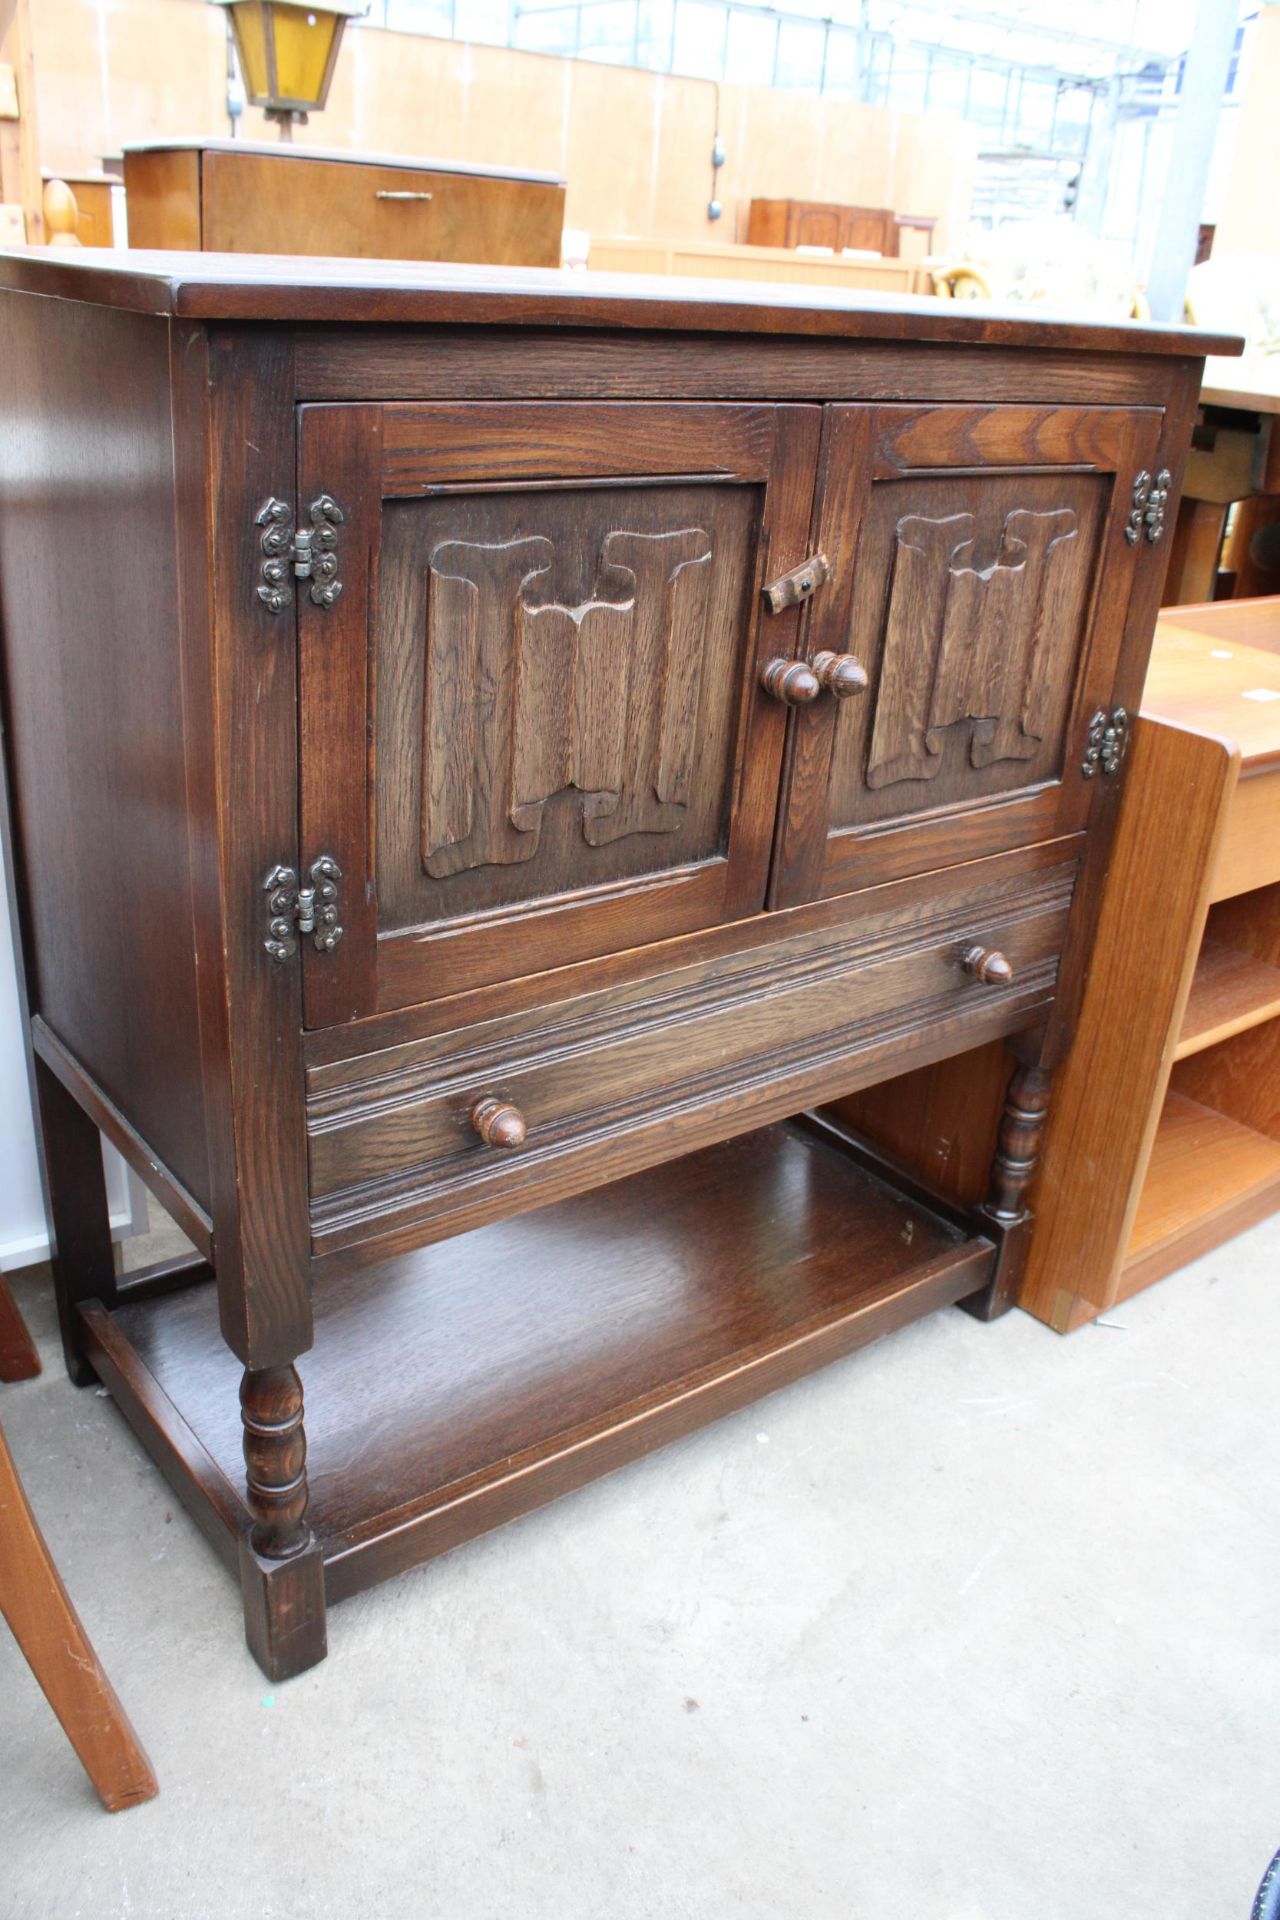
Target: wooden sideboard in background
825, 223
233, 196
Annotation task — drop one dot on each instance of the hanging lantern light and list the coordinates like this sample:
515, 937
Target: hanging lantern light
288, 53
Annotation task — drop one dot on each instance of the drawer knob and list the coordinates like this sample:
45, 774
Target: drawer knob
988, 965
791, 681
840, 673
498, 1123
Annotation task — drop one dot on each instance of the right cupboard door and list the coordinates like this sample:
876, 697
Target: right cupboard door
980, 564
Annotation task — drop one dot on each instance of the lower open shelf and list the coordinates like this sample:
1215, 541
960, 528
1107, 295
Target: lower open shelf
452, 1389
1208, 1179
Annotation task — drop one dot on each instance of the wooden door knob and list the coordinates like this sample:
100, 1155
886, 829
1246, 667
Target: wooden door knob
988, 965
791, 681
840, 673
499, 1123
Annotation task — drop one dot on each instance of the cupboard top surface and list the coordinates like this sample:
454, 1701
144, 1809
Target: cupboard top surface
297, 288
275, 151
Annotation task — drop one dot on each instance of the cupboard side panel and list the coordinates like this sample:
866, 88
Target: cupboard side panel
89, 610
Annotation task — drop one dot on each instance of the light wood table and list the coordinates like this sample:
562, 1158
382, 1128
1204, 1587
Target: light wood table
1234, 461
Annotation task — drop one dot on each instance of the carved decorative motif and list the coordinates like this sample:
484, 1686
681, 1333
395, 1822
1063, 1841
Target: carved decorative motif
964, 646
1149, 500
1107, 744
303, 553
526, 697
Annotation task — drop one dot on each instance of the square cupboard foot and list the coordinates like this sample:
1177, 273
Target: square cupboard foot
284, 1621
467, 1383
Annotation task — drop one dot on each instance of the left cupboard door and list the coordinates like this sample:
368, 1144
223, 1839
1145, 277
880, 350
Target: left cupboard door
533, 724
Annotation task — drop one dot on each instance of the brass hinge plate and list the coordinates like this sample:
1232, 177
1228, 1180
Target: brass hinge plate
791, 589
293, 909
299, 553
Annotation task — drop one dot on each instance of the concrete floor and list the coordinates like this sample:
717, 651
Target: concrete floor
980, 1624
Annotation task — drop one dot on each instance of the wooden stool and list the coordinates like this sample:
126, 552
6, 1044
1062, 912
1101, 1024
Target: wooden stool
44, 1622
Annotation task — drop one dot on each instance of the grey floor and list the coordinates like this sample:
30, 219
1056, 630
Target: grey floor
979, 1624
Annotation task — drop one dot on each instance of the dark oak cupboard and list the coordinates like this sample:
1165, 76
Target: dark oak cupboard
491, 756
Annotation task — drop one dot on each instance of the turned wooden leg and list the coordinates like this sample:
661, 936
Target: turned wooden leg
281, 1567
18, 1357
75, 1189
61, 1656
1004, 1212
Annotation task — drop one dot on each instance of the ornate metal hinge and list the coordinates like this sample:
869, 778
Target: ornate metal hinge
299, 553
1108, 742
1147, 513
293, 909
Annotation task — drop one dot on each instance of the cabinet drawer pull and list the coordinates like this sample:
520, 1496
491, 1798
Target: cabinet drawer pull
840, 673
989, 965
791, 681
499, 1123
399, 193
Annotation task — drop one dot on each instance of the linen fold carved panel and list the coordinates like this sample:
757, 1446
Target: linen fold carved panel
968, 645
526, 697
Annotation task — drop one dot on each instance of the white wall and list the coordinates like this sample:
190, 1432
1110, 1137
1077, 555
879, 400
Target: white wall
23, 1234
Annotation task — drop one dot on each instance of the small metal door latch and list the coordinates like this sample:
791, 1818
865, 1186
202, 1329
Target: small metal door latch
299, 553
789, 589
294, 909
1107, 744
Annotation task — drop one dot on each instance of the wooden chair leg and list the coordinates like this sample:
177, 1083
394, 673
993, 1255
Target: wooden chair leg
18, 1357
60, 1654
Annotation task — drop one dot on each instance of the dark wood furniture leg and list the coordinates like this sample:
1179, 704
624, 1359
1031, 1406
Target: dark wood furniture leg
18, 1357
76, 1206
1004, 1211
281, 1565
61, 1656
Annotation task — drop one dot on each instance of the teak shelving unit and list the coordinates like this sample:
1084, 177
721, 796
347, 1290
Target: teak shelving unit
1163, 1131
1164, 1135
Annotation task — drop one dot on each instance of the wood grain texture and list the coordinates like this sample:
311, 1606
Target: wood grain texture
638, 1074
1230, 992
267, 202
61, 1656
1107, 1101
530, 738
259, 1222
332, 1046
96, 731
551, 664
264, 287
983, 589
442, 363
644, 1309
1207, 1179
1249, 853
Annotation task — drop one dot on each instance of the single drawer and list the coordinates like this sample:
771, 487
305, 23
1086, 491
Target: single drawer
254, 203
1249, 854
438, 1135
